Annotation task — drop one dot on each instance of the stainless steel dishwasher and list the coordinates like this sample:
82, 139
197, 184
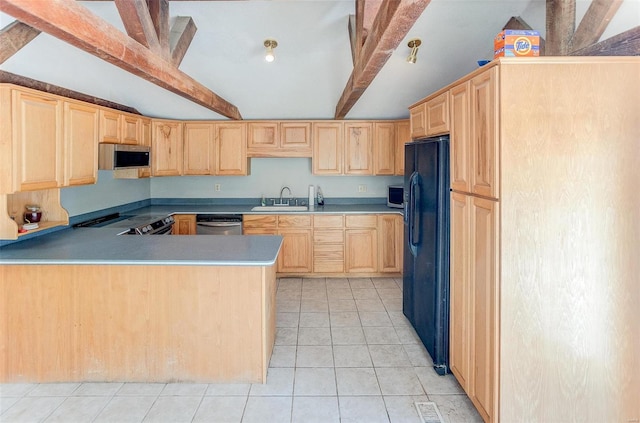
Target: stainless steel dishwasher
218, 224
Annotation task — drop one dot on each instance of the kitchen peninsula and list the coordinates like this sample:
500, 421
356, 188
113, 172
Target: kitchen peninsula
87, 305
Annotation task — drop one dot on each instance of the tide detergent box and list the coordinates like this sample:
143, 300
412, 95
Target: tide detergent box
516, 43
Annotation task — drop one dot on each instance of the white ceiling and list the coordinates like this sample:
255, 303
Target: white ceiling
313, 57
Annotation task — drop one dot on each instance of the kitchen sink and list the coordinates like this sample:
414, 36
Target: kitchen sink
279, 208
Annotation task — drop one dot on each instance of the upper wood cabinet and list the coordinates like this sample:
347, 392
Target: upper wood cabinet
81, 124
384, 148
38, 148
131, 127
403, 135
358, 148
110, 126
167, 149
145, 139
199, 149
278, 139
231, 149
483, 134
328, 146
430, 117
459, 144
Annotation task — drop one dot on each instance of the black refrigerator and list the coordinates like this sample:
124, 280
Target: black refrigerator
426, 245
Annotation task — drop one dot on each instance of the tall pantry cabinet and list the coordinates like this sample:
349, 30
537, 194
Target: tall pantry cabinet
545, 238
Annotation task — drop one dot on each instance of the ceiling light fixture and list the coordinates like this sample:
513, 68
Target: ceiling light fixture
413, 45
270, 45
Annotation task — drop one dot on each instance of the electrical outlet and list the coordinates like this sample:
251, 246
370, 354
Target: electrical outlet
362, 188
216, 187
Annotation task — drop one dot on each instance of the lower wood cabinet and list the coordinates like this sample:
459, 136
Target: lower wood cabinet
333, 244
185, 224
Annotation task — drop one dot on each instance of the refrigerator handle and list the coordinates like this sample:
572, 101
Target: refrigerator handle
414, 215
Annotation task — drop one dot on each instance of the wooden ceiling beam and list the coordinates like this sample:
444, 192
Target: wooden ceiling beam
137, 22
13, 37
73, 23
159, 11
182, 33
594, 22
624, 44
393, 21
560, 24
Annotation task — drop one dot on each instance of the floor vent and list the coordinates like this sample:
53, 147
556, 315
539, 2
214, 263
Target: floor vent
429, 412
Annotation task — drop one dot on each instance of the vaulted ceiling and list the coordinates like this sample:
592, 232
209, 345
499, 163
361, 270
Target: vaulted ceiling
313, 75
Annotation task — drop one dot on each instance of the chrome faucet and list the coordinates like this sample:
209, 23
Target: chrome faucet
281, 191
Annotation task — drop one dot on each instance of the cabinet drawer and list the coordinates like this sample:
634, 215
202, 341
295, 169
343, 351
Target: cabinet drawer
289, 221
328, 266
259, 231
328, 237
361, 221
331, 221
328, 251
259, 221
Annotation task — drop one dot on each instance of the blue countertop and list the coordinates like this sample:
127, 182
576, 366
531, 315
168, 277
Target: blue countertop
92, 246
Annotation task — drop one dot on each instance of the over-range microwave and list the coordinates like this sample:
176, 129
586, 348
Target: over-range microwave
395, 196
123, 156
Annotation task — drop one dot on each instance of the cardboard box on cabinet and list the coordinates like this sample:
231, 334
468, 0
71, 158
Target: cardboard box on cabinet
516, 43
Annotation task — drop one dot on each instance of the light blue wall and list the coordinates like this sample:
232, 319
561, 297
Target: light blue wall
267, 177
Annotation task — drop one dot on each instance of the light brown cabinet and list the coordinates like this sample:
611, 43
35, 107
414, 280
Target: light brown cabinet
119, 127
520, 254
38, 155
167, 149
358, 148
328, 147
81, 124
403, 135
199, 149
185, 224
279, 139
296, 254
328, 243
361, 243
145, 139
384, 148
430, 117
390, 243
231, 148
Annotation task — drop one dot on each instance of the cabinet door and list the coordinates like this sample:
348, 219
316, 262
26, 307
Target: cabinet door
403, 135
418, 121
460, 143
295, 139
145, 139
38, 142
131, 129
198, 149
80, 144
358, 143
231, 147
390, 243
384, 148
484, 136
484, 300
437, 111
262, 136
327, 148
361, 250
110, 127
295, 255
185, 224
167, 148
459, 291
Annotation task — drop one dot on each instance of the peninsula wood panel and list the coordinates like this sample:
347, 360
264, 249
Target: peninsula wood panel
570, 205
136, 323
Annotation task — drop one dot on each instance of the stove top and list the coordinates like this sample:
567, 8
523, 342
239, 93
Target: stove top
136, 225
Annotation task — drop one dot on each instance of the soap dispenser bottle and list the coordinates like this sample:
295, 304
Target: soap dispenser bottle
320, 197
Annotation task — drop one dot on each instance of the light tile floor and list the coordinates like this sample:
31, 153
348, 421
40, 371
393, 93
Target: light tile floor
344, 353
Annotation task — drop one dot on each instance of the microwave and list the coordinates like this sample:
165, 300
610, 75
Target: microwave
123, 156
395, 196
